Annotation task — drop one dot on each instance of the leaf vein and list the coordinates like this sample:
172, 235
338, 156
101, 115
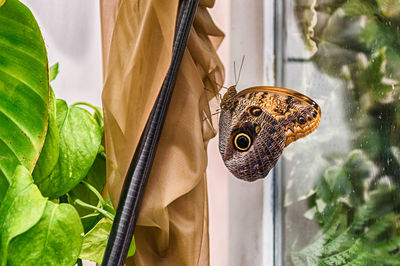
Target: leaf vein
23, 82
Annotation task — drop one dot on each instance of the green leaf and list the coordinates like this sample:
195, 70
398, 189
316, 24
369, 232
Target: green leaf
3, 187
132, 248
61, 112
343, 257
53, 72
372, 78
20, 210
98, 113
359, 8
80, 139
55, 240
97, 178
382, 223
49, 156
95, 241
24, 90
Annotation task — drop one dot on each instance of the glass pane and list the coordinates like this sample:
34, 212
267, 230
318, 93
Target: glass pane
341, 183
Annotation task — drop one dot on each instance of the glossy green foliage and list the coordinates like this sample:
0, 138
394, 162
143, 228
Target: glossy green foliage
79, 141
55, 240
97, 179
53, 72
49, 156
24, 90
95, 242
59, 145
35, 231
21, 209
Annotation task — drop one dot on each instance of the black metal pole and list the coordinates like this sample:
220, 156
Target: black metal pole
139, 169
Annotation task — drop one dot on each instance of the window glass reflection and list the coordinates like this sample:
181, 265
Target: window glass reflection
342, 183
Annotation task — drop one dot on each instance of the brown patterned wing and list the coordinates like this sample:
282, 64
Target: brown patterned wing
297, 113
258, 123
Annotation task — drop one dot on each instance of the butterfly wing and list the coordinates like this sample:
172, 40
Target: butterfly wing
258, 123
298, 114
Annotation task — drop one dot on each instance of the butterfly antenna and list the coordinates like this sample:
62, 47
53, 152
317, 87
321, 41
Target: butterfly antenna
240, 71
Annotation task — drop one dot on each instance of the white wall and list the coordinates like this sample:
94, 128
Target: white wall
71, 31
241, 221
217, 174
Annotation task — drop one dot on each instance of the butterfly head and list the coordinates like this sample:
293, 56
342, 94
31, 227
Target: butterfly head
228, 98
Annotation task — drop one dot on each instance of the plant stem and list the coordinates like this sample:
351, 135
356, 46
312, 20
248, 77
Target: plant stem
89, 206
86, 104
94, 190
95, 108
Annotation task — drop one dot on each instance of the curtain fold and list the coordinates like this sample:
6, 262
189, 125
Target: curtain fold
137, 35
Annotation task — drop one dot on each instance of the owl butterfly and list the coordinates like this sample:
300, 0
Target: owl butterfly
257, 123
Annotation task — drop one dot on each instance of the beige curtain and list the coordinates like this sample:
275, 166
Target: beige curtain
172, 228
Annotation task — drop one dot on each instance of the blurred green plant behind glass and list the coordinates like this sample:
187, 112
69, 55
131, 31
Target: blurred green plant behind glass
344, 208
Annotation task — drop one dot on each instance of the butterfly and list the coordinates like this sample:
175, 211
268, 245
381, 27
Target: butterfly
256, 124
